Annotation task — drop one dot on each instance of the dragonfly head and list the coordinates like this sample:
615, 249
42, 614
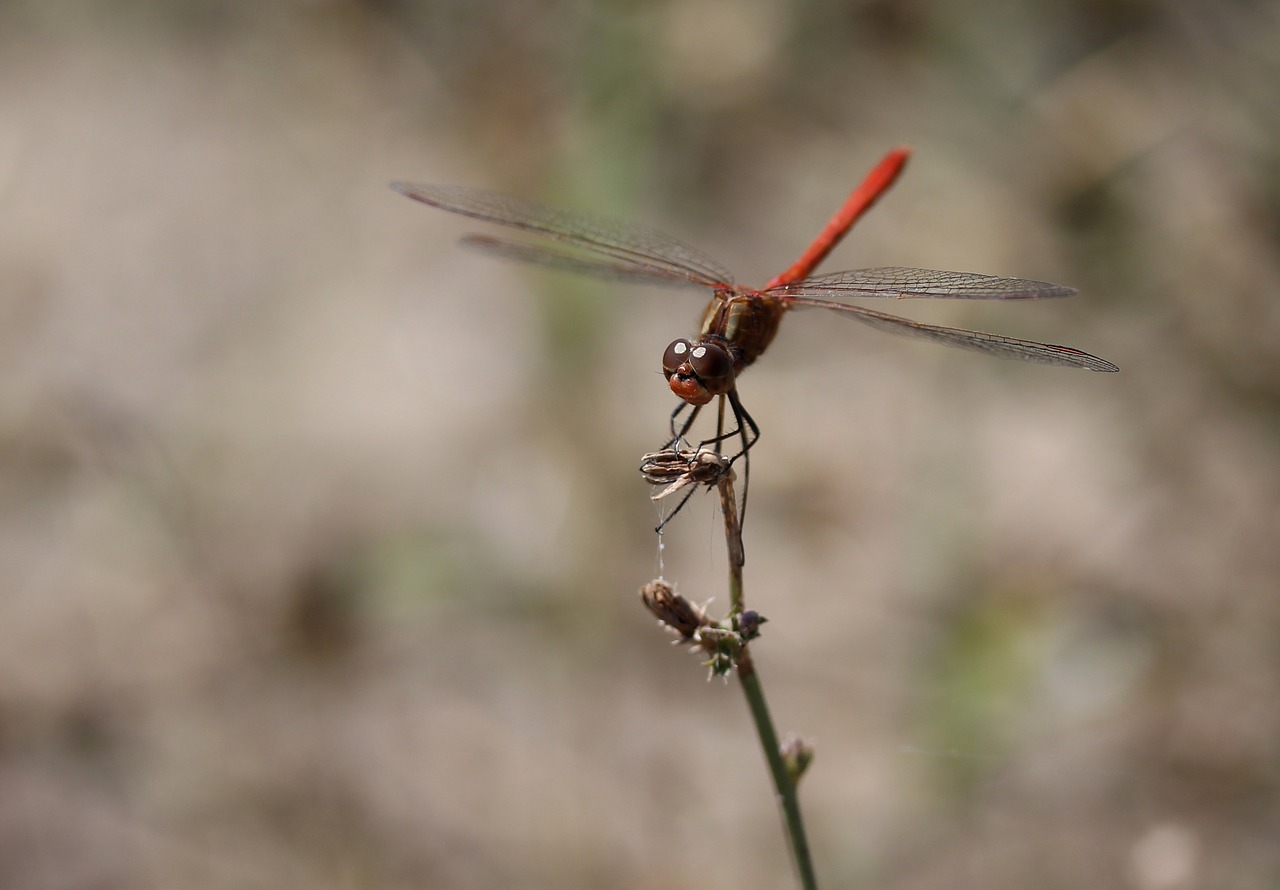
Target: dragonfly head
698, 372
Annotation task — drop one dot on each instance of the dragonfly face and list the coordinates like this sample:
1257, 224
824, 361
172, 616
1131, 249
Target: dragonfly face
698, 372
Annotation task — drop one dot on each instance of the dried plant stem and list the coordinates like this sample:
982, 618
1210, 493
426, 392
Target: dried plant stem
783, 782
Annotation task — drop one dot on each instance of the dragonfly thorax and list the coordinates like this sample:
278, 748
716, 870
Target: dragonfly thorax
698, 372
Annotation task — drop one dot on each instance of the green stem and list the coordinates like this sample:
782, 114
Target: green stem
784, 785
782, 781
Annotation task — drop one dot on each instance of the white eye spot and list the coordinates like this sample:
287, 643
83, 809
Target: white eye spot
700, 352
680, 348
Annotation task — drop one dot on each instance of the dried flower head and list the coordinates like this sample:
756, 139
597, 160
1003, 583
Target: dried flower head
677, 469
675, 612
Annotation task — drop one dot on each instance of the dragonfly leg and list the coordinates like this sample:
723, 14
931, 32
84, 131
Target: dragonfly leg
680, 506
746, 429
745, 421
676, 436
721, 435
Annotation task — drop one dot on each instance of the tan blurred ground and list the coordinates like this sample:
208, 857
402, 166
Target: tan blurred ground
320, 536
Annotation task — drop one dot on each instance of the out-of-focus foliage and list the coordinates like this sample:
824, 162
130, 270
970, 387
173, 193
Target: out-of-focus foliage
320, 537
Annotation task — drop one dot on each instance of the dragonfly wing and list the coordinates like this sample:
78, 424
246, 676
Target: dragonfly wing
628, 243
564, 261
904, 283
991, 344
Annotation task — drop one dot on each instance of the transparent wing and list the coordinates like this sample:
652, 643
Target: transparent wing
635, 246
564, 261
901, 283
991, 344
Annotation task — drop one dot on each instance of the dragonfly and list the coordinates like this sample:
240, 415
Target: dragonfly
740, 322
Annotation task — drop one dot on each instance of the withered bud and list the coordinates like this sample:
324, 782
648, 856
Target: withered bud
797, 754
678, 614
747, 623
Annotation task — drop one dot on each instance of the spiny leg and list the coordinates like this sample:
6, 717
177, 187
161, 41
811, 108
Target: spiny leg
744, 423
680, 506
744, 420
721, 435
674, 445
693, 415
741, 415
675, 442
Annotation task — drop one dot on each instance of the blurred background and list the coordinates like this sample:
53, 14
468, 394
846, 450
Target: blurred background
320, 536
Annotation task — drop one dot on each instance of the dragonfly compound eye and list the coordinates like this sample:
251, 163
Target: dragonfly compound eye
675, 356
713, 366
